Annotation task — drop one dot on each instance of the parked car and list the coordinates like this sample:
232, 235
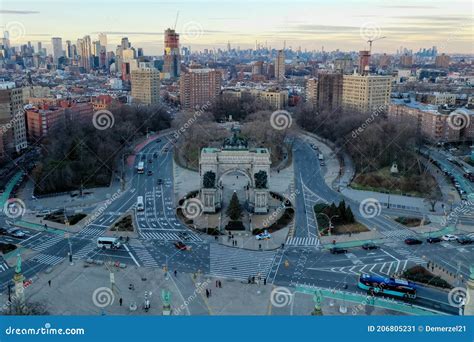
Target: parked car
338, 250
149, 173
413, 241
3, 231
449, 237
433, 240
464, 240
165, 150
369, 245
43, 213
263, 236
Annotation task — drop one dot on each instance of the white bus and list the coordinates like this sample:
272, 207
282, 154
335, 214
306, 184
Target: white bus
108, 243
140, 204
141, 167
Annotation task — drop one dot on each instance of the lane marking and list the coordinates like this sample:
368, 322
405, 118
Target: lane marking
131, 255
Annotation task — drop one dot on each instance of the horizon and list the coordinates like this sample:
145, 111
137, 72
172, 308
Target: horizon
207, 24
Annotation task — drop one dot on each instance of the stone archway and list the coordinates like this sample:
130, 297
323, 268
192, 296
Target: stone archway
215, 163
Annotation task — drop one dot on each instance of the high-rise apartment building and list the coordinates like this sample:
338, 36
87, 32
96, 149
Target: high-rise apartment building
366, 93
442, 61
171, 57
406, 60
312, 91
57, 43
145, 85
12, 120
325, 92
280, 65
199, 87
364, 61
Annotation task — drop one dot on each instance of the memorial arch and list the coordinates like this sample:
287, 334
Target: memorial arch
235, 156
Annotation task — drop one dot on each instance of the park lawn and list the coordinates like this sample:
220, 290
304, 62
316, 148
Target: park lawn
349, 228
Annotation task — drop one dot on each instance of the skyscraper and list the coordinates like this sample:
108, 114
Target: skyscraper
366, 93
171, 54
280, 66
145, 85
199, 87
57, 43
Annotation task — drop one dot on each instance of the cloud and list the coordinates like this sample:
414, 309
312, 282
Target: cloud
124, 33
409, 6
17, 12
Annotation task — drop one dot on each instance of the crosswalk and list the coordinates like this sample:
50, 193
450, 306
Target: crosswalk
47, 259
407, 254
396, 233
50, 240
170, 236
227, 262
144, 257
3, 266
302, 241
93, 230
84, 252
383, 268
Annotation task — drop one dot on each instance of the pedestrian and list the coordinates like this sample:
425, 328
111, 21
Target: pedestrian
120, 301
49, 283
207, 293
175, 273
259, 246
215, 237
220, 284
264, 281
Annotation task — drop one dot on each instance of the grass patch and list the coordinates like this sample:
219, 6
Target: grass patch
7, 247
411, 221
422, 275
59, 217
349, 228
124, 225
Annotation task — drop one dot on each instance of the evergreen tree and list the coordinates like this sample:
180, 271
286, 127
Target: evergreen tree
349, 215
342, 211
235, 209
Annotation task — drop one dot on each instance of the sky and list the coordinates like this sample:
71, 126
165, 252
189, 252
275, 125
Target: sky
309, 24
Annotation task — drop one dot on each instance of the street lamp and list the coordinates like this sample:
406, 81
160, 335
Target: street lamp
330, 221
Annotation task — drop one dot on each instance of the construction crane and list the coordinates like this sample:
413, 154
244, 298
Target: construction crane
370, 41
176, 21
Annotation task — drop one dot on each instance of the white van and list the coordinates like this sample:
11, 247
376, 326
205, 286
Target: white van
108, 243
140, 204
320, 156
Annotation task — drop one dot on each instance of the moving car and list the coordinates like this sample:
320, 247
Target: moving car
17, 233
180, 245
338, 250
433, 240
160, 181
369, 245
263, 236
158, 140
464, 240
413, 241
3, 231
449, 237
149, 173
108, 243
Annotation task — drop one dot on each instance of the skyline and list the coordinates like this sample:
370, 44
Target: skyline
211, 24
409, 24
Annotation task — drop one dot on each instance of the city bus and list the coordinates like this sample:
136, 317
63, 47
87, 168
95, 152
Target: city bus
375, 284
141, 167
140, 204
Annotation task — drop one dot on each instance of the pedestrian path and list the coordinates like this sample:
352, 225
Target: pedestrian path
235, 263
302, 241
167, 235
47, 259
144, 257
45, 241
